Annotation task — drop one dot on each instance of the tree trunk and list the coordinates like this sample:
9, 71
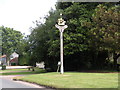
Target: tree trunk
8, 61
115, 57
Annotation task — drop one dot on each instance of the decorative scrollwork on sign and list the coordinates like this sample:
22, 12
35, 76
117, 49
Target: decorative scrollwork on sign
61, 28
61, 22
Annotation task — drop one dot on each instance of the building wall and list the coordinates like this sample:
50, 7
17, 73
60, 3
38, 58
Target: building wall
14, 61
3, 61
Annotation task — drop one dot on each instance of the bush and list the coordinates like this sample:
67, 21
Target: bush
3, 67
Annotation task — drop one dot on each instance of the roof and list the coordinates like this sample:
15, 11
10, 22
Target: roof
14, 59
2, 56
13, 55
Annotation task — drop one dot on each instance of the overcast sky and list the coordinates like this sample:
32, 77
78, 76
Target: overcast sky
20, 14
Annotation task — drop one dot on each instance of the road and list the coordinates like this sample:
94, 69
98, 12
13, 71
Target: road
7, 82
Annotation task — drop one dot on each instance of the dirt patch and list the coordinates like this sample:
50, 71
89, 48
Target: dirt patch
62, 75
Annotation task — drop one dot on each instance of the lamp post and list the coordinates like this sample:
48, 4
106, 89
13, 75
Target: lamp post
61, 26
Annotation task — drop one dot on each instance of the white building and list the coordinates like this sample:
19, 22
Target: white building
3, 60
14, 59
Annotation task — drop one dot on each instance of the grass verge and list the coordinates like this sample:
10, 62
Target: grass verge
74, 80
10, 70
22, 71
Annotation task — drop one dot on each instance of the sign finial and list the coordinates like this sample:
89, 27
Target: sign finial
60, 14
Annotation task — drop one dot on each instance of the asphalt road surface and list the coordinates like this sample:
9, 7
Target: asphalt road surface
6, 82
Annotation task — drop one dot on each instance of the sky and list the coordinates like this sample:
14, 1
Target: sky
20, 14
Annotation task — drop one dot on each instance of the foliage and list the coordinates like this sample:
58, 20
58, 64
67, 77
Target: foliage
104, 30
44, 39
93, 30
105, 27
24, 52
11, 39
41, 38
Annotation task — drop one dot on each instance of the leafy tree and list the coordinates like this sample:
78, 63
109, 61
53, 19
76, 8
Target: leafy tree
24, 52
76, 38
104, 29
41, 38
11, 39
44, 39
81, 46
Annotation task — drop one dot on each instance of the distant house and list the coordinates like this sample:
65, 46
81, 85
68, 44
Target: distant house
3, 60
40, 65
14, 59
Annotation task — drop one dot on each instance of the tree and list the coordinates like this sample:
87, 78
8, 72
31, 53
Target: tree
81, 47
76, 47
24, 52
105, 29
44, 39
11, 39
41, 38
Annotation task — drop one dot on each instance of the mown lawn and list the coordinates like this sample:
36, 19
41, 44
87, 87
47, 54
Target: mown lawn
13, 70
75, 80
21, 71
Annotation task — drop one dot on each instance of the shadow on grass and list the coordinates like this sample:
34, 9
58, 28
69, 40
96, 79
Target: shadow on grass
99, 71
